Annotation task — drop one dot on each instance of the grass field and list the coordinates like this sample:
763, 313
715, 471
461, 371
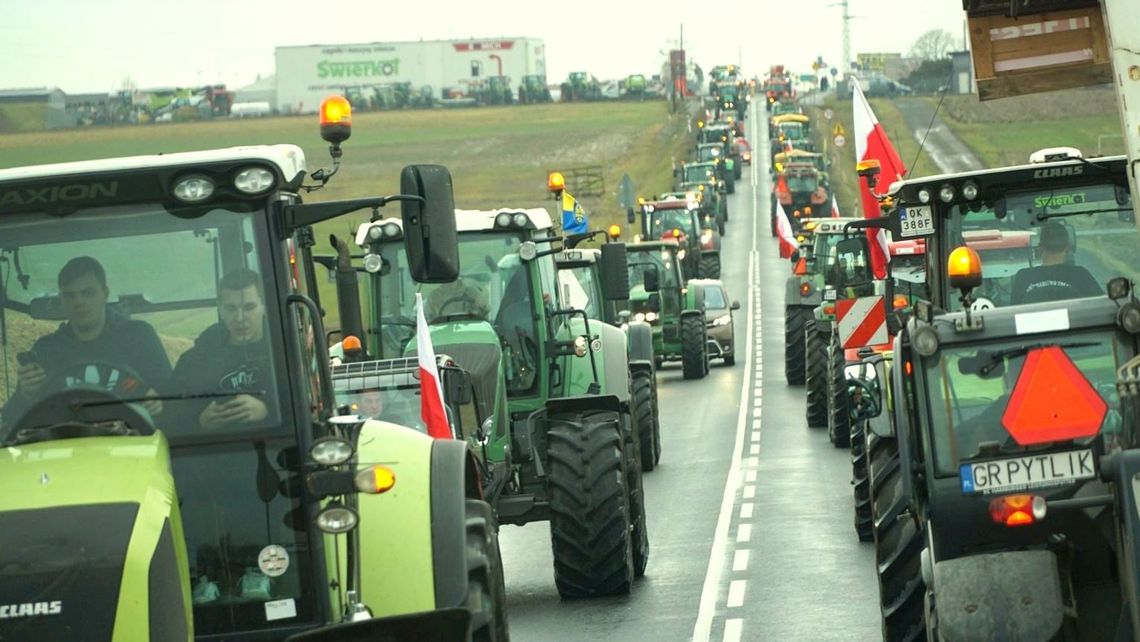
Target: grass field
499, 157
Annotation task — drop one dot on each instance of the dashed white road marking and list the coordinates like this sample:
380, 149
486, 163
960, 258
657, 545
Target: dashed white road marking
733, 630
754, 449
750, 476
746, 510
744, 533
752, 462
740, 560
736, 593
749, 492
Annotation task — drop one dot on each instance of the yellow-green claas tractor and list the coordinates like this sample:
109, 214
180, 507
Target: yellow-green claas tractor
234, 499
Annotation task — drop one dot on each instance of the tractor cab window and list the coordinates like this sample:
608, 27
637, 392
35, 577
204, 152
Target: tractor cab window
578, 289
698, 174
1046, 245
662, 222
132, 316
971, 388
802, 182
824, 256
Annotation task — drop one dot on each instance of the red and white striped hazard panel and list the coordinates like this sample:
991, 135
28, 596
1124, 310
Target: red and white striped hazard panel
862, 321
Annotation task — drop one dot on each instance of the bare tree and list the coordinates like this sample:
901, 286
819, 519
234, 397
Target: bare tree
932, 45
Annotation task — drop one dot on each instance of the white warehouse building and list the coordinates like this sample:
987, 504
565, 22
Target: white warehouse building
307, 74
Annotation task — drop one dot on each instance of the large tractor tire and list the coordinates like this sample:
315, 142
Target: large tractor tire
898, 547
590, 520
861, 480
838, 397
643, 407
486, 589
694, 347
796, 318
738, 170
815, 367
730, 183
639, 532
709, 266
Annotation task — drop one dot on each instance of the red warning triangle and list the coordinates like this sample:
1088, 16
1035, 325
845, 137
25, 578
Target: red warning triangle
1052, 400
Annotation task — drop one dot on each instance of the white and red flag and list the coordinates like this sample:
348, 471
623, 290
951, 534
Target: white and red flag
871, 143
431, 392
784, 232
834, 207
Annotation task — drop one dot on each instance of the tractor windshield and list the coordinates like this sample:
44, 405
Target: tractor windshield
699, 173
802, 182
791, 131
1046, 245
579, 289
662, 222
124, 319
973, 401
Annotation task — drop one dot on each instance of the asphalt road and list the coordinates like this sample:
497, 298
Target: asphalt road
749, 512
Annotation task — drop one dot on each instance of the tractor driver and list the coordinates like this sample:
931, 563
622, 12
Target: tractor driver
458, 297
92, 334
1054, 279
231, 357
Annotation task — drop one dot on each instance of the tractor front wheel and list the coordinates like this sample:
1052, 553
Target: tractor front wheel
839, 401
694, 347
815, 366
643, 407
486, 589
796, 319
639, 532
898, 547
590, 521
730, 183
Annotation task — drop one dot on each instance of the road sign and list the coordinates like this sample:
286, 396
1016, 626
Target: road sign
862, 321
828, 113
626, 195
838, 130
834, 72
840, 141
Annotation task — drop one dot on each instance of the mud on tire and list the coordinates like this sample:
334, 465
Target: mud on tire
815, 366
486, 589
796, 319
590, 523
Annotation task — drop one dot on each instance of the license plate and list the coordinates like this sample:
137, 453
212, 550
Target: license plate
1030, 471
916, 221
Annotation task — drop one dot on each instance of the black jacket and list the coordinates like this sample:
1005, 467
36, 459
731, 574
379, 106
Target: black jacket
216, 365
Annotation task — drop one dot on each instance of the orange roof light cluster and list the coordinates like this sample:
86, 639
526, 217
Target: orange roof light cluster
555, 182
615, 231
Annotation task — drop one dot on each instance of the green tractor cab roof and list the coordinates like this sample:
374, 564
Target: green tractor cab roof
999, 180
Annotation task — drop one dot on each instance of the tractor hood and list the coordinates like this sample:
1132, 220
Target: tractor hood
475, 347
92, 543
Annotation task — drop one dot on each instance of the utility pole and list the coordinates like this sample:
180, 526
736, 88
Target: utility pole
846, 62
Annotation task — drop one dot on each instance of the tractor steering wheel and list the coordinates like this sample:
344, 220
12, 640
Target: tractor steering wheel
870, 403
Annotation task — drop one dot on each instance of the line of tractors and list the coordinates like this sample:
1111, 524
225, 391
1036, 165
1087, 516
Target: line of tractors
986, 382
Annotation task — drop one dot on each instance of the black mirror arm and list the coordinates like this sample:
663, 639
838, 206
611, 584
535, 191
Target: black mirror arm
297, 216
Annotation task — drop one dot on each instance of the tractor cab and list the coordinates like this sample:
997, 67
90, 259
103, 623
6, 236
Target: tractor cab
696, 235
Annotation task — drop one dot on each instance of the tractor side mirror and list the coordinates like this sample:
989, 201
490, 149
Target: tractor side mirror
630, 215
795, 257
651, 281
429, 224
735, 305
615, 275
877, 415
457, 384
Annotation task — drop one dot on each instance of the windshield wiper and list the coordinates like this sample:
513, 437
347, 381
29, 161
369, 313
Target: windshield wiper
182, 397
1044, 216
986, 361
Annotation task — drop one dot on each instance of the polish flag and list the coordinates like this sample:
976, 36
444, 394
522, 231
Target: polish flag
784, 232
871, 142
834, 207
431, 392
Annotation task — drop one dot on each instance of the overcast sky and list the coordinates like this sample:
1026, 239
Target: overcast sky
92, 46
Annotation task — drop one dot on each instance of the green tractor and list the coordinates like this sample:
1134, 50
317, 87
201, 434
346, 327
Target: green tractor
555, 386
533, 90
722, 134
680, 219
591, 280
635, 87
659, 297
704, 178
495, 90
727, 167
125, 518
581, 87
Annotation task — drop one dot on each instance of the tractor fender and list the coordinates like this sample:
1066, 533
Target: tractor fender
450, 466
611, 360
792, 294
582, 403
1014, 595
639, 336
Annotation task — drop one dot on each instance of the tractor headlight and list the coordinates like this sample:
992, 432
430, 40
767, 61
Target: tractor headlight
503, 220
253, 180
681, 255
391, 230
336, 518
580, 346
946, 194
925, 340
924, 196
970, 190
520, 219
373, 263
1128, 317
640, 316
193, 189
330, 451
649, 317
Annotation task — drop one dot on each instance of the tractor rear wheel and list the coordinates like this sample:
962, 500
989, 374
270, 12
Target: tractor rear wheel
815, 366
486, 589
730, 183
738, 170
796, 318
709, 266
898, 547
839, 400
590, 521
644, 410
694, 347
